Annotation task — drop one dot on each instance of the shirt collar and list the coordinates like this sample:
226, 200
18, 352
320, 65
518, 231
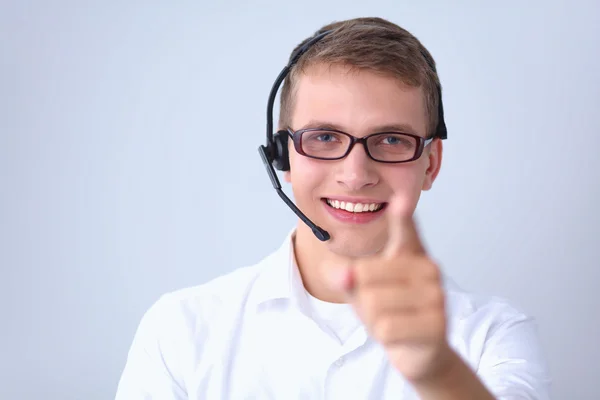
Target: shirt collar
280, 278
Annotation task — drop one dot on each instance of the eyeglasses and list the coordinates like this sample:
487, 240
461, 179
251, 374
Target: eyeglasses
386, 147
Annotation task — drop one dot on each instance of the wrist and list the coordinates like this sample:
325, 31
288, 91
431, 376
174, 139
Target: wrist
447, 371
454, 379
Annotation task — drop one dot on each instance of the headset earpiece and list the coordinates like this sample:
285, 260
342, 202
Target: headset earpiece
280, 155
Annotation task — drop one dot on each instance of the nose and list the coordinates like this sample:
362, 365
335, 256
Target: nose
357, 171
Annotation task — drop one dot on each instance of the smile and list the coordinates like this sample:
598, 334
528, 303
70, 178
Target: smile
354, 207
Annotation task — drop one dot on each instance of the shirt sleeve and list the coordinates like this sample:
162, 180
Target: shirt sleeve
152, 369
513, 366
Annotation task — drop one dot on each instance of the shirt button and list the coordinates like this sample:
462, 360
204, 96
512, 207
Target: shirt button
340, 362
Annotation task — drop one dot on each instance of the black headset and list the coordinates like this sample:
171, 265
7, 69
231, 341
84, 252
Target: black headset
274, 153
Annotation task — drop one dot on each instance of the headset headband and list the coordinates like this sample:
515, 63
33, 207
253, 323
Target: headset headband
293, 60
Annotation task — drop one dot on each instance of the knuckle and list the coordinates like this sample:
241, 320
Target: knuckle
437, 321
435, 297
431, 270
368, 300
439, 325
384, 329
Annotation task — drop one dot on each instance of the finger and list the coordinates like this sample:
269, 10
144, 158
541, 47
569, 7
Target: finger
374, 302
403, 234
404, 269
409, 327
392, 270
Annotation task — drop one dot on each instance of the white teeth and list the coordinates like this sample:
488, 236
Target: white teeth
354, 207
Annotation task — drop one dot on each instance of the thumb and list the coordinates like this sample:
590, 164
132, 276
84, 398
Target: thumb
340, 278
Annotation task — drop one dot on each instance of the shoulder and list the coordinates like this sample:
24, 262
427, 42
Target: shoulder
481, 313
174, 334
187, 316
500, 341
193, 307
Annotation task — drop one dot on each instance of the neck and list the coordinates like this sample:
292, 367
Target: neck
314, 262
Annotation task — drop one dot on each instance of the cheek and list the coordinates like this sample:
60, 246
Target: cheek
406, 182
305, 174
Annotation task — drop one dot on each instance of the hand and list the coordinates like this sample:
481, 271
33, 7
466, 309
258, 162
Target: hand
398, 294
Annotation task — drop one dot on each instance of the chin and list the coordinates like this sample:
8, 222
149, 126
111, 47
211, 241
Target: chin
355, 244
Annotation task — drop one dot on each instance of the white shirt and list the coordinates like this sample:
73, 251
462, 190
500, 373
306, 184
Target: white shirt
339, 320
255, 333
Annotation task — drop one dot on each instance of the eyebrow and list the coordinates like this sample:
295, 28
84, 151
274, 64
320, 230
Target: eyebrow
405, 128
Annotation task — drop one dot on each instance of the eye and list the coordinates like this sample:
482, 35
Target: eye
321, 137
325, 137
391, 140
396, 140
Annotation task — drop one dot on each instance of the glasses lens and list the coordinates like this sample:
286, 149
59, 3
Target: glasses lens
392, 146
325, 144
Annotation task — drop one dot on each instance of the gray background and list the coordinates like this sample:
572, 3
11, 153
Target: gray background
128, 167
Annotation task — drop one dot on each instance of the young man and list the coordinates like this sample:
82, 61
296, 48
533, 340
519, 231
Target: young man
356, 307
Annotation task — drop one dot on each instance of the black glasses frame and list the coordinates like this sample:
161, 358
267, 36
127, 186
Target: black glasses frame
297, 140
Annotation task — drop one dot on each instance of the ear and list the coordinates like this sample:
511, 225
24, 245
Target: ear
287, 175
434, 157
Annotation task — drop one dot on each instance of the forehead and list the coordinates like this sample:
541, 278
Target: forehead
356, 101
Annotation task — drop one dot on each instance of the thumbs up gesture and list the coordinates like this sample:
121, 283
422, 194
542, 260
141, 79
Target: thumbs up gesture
398, 294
